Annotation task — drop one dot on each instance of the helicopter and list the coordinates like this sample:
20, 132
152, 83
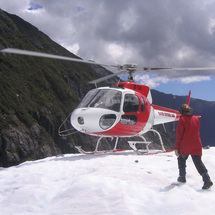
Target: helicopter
125, 110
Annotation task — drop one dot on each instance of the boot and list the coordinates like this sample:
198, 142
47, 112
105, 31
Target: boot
182, 174
181, 179
207, 181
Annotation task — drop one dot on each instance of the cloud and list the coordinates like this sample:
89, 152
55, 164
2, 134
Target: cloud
74, 48
150, 80
156, 33
154, 81
192, 79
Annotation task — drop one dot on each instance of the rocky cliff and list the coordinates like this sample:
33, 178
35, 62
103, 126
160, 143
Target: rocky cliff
37, 94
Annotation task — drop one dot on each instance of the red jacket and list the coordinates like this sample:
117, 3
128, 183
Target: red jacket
188, 141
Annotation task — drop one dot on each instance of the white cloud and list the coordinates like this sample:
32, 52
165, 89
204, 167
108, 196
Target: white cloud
74, 48
115, 50
151, 81
119, 54
128, 19
212, 25
154, 81
184, 53
14, 6
192, 79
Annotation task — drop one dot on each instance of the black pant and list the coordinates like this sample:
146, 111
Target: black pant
197, 160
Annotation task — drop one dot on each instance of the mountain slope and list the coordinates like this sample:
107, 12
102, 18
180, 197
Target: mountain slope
37, 94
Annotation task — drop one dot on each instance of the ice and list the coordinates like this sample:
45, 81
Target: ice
105, 184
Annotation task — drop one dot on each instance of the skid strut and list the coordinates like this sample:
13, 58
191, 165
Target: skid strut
97, 146
98, 142
160, 138
132, 144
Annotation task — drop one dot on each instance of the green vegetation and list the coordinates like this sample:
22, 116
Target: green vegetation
36, 91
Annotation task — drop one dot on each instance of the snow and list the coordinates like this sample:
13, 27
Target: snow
105, 184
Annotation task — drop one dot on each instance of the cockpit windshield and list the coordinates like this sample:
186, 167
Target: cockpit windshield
102, 98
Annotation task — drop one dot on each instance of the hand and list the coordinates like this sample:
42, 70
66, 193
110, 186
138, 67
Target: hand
176, 153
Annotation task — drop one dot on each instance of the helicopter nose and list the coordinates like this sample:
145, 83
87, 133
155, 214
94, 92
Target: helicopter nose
92, 119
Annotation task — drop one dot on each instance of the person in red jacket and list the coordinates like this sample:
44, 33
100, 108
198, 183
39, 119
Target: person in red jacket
188, 142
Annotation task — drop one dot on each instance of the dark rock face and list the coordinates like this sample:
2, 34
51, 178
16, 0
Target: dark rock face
37, 94
20, 144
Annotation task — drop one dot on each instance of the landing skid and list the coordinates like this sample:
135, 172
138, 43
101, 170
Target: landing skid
98, 152
120, 151
97, 146
132, 144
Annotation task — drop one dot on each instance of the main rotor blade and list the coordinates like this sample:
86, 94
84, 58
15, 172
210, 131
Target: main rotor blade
40, 54
182, 69
45, 55
106, 77
126, 68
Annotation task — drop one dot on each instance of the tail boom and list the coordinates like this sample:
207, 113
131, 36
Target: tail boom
164, 115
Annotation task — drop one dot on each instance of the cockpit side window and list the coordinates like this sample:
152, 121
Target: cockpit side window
131, 103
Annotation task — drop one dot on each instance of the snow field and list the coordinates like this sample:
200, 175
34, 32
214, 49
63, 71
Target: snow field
105, 184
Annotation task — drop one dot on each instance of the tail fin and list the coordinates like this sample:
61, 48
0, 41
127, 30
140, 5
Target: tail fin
188, 102
188, 98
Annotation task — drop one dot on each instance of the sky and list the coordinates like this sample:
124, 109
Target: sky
127, 184
150, 33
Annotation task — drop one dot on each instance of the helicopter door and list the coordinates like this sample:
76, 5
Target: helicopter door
131, 108
142, 105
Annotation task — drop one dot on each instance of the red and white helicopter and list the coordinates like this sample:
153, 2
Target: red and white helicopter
125, 110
